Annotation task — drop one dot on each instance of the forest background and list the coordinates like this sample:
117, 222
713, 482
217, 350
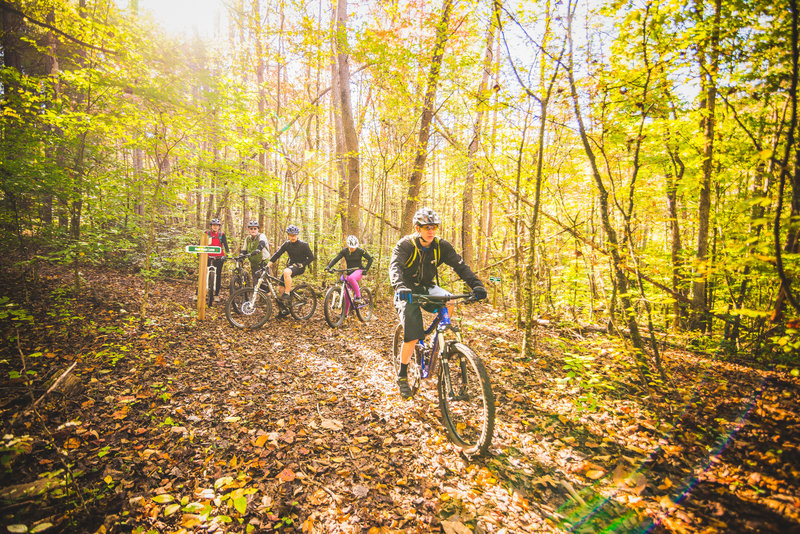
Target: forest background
633, 164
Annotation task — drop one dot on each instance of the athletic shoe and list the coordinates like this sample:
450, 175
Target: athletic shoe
405, 389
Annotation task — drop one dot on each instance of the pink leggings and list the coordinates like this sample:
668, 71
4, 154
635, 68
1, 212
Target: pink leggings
353, 279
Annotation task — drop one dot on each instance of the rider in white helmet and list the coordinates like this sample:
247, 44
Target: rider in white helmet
353, 255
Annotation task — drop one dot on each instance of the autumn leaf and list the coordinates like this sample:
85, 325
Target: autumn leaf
171, 509
332, 424
287, 475
261, 440
163, 498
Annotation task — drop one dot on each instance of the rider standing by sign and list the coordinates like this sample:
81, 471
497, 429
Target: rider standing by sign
217, 238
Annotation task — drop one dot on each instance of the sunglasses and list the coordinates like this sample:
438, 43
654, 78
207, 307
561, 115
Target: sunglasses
430, 227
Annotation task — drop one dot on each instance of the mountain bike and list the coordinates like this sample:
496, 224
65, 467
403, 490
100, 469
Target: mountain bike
339, 301
240, 276
466, 401
251, 307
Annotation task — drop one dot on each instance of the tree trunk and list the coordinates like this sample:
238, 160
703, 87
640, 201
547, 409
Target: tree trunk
421, 151
620, 280
708, 76
350, 220
482, 95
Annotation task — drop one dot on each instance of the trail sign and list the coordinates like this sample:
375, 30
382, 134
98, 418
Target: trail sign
203, 249
494, 278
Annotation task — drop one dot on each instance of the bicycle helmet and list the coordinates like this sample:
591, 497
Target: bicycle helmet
292, 229
252, 224
352, 241
214, 221
425, 216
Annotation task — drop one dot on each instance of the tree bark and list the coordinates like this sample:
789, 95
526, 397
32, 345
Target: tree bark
350, 159
708, 76
421, 151
481, 100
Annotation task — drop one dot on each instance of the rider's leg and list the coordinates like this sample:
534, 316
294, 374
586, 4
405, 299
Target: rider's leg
352, 280
287, 281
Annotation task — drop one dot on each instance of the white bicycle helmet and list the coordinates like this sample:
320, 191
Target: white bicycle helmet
213, 222
252, 224
352, 241
425, 216
292, 229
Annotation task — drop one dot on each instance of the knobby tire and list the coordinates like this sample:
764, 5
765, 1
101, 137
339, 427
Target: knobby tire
365, 311
467, 409
304, 302
334, 316
241, 315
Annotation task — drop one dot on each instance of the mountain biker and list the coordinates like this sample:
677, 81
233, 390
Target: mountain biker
300, 256
412, 269
352, 255
217, 238
256, 247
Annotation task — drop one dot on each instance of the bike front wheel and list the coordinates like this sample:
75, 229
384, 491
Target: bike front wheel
304, 302
365, 310
244, 312
210, 283
466, 401
333, 307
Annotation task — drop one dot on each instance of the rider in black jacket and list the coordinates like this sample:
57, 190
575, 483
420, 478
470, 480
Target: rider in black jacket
300, 256
353, 255
413, 269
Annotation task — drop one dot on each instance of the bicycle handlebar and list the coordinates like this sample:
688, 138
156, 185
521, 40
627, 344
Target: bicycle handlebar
422, 297
350, 270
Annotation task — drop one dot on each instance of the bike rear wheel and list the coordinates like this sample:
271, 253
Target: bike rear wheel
242, 314
304, 302
364, 311
414, 378
333, 306
466, 401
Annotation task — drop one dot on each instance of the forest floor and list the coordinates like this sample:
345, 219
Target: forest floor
180, 425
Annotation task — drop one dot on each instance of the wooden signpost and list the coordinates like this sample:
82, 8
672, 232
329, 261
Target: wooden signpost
202, 250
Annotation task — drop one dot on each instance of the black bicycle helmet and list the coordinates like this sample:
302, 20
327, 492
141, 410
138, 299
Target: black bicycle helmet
252, 224
425, 216
292, 229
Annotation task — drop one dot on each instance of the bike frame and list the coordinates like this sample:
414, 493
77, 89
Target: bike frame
268, 279
430, 355
346, 290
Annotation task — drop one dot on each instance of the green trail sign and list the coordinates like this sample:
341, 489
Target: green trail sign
494, 278
203, 249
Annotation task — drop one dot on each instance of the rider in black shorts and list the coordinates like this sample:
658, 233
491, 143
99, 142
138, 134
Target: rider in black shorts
413, 269
300, 256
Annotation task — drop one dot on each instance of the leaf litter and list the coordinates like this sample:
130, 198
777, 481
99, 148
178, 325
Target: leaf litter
180, 426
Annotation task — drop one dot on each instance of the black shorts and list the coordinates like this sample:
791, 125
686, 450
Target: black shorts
296, 270
411, 316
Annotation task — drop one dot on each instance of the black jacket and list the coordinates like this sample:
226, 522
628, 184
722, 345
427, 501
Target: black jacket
411, 265
299, 253
352, 260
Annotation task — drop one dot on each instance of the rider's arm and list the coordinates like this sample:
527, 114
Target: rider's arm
278, 253
336, 258
400, 254
369, 260
309, 256
223, 239
454, 260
